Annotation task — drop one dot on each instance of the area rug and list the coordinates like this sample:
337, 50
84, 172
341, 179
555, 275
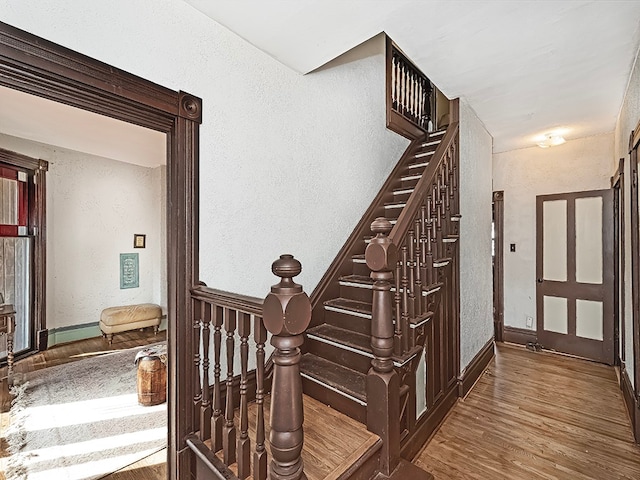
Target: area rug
82, 421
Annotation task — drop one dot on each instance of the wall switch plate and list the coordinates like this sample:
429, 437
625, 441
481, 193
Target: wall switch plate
512, 247
529, 322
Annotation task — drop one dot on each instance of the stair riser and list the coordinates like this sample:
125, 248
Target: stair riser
356, 293
335, 400
361, 269
338, 355
408, 184
348, 322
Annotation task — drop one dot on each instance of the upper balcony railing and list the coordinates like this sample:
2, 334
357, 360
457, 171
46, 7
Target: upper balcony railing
410, 95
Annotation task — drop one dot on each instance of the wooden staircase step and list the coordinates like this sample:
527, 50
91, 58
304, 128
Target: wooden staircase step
394, 205
418, 165
403, 191
357, 281
358, 258
410, 177
341, 379
348, 306
343, 338
441, 262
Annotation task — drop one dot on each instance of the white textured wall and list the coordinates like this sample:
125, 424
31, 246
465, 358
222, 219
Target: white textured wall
578, 165
476, 291
627, 121
94, 207
289, 163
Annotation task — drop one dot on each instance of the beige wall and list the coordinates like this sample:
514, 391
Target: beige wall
288, 162
578, 165
476, 294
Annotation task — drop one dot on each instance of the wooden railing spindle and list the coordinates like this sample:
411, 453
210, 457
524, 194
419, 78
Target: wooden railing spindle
197, 391
412, 275
417, 267
397, 335
229, 430
404, 318
260, 454
205, 407
244, 443
217, 420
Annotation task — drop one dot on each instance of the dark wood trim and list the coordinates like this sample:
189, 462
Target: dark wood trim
428, 424
617, 184
39, 67
521, 336
498, 265
634, 138
631, 402
476, 367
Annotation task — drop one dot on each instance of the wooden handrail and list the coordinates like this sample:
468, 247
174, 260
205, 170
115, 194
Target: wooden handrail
235, 301
406, 218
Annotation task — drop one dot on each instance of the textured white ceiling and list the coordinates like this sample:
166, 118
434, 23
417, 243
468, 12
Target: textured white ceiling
525, 67
52, 123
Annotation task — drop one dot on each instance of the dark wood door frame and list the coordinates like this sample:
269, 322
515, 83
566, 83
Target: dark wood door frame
39, 67
498, 266
634, 403
36, 170
617, 184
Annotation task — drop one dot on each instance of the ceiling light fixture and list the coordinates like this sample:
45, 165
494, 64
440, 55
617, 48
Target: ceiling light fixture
551, 140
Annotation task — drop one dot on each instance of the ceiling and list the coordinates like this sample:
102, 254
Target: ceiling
53, 123
527, 67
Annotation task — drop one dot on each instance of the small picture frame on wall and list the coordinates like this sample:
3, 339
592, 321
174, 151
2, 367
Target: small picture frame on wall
139, 240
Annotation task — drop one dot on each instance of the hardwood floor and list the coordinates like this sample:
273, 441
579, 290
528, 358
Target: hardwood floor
536, 416
150, 468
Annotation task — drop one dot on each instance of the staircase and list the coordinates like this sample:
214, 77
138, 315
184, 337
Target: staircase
338, 350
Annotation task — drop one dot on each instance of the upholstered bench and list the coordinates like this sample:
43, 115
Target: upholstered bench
129, 317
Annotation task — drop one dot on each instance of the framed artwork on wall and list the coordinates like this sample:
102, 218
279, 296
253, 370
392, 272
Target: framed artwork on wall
139, 240
129, 270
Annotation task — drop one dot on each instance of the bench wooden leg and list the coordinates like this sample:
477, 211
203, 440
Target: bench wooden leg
110, 338
155, 329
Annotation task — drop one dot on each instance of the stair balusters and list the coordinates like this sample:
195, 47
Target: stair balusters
287, 314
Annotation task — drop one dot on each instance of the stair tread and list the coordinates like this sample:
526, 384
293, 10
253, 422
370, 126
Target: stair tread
348, 304
363, 279
337, 376
342, 336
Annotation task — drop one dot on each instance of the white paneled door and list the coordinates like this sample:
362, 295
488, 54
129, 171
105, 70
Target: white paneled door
574, 269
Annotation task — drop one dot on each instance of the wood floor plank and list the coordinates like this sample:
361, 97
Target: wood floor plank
536, 415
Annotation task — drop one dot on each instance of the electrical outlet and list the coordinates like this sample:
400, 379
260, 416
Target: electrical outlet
529, 322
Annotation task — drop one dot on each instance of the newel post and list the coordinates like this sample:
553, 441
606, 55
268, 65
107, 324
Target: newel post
286, 314
383, 384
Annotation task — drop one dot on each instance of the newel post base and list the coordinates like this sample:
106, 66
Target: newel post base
286, 314
383, 416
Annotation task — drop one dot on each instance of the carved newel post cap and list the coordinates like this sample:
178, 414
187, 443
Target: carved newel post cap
287, 309
381, 254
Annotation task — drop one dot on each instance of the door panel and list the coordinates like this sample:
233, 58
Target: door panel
574, 268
